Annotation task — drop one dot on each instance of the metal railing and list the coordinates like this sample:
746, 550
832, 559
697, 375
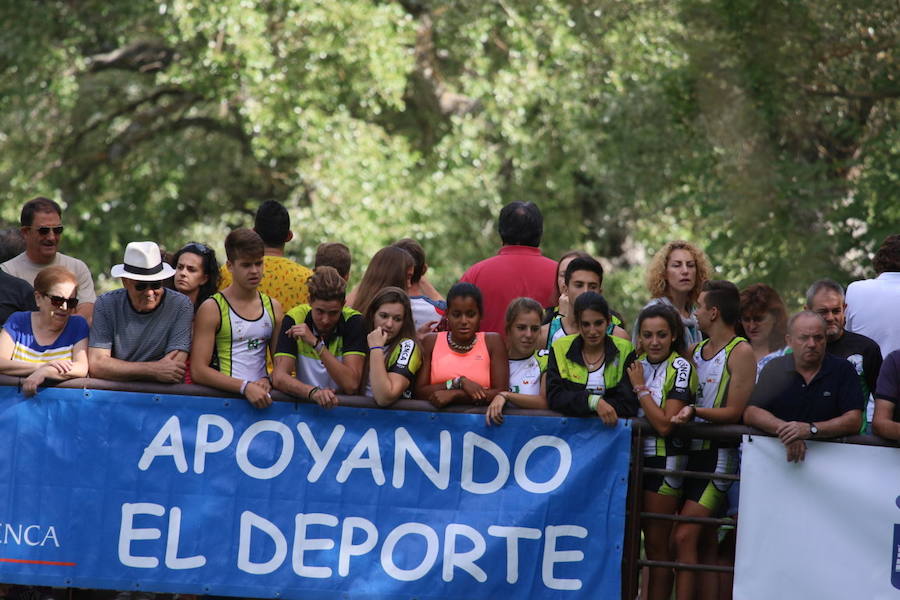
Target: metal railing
632, 563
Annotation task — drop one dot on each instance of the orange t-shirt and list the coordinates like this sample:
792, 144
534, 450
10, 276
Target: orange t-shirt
474, 364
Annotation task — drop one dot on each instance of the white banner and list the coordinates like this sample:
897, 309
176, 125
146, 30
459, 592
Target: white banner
828, 527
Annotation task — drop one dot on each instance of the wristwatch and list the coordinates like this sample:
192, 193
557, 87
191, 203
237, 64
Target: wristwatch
813, 430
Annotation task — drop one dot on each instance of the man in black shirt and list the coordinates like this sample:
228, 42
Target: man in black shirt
807, 394
15, 295
826, 298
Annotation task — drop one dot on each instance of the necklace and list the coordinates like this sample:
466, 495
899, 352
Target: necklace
460, 348
593, 365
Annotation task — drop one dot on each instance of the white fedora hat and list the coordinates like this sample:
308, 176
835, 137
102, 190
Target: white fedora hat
143, 263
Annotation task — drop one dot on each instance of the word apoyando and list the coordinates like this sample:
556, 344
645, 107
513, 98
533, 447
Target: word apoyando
169, 444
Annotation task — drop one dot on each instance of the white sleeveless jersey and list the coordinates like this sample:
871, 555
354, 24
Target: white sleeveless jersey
241, 343
710, 373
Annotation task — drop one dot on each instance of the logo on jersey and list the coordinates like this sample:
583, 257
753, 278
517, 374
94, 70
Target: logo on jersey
857, 361
682, 373
253, 344
406, 350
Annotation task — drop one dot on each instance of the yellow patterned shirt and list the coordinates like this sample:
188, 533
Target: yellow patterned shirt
283, 279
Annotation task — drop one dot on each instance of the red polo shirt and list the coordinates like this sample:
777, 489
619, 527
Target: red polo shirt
515, 271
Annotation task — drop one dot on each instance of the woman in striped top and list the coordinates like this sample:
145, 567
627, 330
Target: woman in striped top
51, 342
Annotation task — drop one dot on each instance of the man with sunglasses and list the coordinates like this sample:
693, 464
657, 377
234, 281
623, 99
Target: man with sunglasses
42, 228
143, 331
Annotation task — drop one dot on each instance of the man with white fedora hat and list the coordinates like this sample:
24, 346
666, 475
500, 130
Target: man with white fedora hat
142, 331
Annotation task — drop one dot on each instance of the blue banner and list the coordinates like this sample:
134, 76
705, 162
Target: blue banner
133, 491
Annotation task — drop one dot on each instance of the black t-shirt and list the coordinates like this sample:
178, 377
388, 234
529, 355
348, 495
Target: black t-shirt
862, 352
889, 382
832, 392
15, 295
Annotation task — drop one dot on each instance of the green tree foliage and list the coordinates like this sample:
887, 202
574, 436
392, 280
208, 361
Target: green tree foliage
764, 131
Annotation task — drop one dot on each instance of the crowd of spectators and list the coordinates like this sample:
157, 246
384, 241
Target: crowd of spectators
517, 329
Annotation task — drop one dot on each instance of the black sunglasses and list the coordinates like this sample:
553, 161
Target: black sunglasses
58, 301
143, 285
197, 248
46, 230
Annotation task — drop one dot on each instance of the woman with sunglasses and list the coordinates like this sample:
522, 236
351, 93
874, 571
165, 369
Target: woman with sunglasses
51, 342
196, 272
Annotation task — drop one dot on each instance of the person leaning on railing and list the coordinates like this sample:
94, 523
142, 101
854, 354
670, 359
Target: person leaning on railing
807, 394
665, 382
527, 363
50, 343
886, 422
323, 341
586, 371
394, 356
462, 365
727, 370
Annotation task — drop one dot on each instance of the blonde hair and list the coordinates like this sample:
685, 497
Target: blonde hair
658, 285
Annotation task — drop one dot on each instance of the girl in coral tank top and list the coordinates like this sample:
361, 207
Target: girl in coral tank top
462, 365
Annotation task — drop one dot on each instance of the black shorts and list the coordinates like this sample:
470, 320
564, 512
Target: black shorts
667, 485
710, 493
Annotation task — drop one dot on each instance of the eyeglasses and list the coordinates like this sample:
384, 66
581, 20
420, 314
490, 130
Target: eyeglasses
46, 230
58, 301
197, 248
143, 285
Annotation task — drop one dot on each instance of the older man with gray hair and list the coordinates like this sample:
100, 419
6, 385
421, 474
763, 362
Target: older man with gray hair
806, 394
826, 298
142, 331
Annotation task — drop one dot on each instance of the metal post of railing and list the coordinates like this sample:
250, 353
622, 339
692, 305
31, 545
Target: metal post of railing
631, 548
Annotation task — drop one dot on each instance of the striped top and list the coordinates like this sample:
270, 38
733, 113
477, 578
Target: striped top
27, 349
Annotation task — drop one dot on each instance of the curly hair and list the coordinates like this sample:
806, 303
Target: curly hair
658, 285
326, 284
759, 299
887, 258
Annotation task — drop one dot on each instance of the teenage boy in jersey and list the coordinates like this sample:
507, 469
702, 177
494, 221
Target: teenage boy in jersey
807, 394
583, 274
826, 298
234, 328
324, 341
285, 279
726, 370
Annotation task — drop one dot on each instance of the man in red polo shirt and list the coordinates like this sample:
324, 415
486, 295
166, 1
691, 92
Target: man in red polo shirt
519, 269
